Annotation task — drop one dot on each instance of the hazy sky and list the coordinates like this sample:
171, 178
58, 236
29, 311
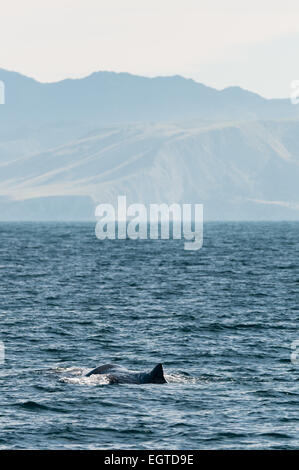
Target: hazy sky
251, 43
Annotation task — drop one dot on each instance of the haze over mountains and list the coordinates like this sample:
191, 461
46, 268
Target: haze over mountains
67, 146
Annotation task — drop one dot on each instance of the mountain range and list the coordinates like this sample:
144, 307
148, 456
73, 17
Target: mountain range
67, 146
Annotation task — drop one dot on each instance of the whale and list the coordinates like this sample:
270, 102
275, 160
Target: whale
119, 375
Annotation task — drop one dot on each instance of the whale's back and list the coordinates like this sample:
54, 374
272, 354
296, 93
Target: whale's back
105, 369
118, 374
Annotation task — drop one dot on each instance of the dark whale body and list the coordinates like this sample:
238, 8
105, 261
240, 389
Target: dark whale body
119, 375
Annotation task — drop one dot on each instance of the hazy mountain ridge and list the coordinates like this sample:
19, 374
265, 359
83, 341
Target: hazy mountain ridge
239, 170
68, 145
109, 98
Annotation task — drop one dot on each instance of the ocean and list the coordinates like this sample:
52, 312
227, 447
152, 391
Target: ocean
223, 321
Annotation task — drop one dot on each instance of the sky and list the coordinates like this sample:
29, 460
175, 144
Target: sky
249, 43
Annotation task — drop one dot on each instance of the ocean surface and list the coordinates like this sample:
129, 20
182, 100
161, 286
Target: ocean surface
221, 320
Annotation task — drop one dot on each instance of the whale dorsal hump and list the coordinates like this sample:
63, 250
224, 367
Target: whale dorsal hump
157, 374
